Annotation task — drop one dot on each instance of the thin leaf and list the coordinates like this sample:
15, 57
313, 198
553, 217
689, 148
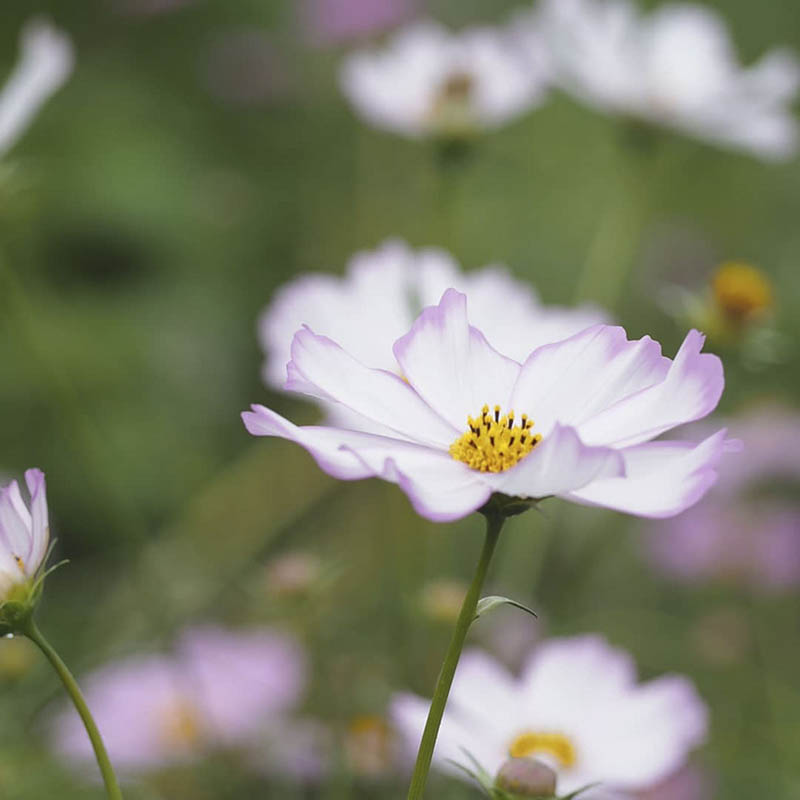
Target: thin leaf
487, 604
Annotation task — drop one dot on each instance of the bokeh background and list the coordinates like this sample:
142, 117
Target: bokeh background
200, 156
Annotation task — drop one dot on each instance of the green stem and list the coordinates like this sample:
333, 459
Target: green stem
31, 630
494, 523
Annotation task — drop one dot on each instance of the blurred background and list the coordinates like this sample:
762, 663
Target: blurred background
201, 155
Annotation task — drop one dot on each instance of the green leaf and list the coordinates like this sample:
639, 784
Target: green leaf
487, 604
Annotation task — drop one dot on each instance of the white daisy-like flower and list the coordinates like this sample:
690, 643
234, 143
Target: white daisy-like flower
428, 81
46, 61
384, 290
675, 66
576, 706
458, 421
24, 538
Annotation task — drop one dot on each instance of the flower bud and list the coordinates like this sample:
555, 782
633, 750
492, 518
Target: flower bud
526, 777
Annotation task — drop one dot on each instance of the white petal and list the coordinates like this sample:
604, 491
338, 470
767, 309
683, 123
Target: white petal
558, 464
571, 381
662, 478
320, 368
648, 733
46, 62
439, 487
690, 390
40, 525
15, 522
451, 365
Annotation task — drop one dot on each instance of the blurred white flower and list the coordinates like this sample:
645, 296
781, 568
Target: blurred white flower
46, 61
576, 707
428, 81
675, 66
384, 290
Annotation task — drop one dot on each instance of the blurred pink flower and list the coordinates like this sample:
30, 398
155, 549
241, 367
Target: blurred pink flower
219, 689
598, 401
334, 20
748, 527
577, 706
689, 783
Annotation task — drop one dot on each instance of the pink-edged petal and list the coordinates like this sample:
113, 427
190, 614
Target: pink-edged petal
320, 368
15, 522
40, 525
661, 478
654, 727
558, 464
324, 444
439, 487
572, 380
690, 390
451, 365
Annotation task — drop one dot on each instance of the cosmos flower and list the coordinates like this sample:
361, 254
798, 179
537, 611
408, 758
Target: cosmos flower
218, 690
675, 66
462, 422
746, 530
24, 538
46, 61
384, 290
428, 81
575, 706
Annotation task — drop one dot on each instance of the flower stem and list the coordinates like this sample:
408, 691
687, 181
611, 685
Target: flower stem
494, 523
31, 630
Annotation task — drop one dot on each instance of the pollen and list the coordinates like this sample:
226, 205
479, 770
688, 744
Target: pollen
741, 291
20, 563
533, 743
495, 442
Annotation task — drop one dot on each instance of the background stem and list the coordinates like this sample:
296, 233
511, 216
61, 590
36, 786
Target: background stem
73, 690
494, 523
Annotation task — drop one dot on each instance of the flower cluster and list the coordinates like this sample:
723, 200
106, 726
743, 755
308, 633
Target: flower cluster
675, 67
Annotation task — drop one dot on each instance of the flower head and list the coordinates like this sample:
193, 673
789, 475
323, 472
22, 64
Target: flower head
430, 82
45, 63
674, 67
746, 529
24, 540
576, 706
456, 422
334, 20
384, 290
216, 691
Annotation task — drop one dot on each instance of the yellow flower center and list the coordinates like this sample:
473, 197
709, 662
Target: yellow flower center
369, 745
532, 743
495, 443
180, 726
741, 291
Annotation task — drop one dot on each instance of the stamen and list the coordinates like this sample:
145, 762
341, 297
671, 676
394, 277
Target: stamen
503, 444
532, 743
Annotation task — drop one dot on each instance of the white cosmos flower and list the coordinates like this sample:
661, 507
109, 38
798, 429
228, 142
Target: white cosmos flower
384, 290
24, 534
430, 81
576, 706
675, 66
587, 409
46, 61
